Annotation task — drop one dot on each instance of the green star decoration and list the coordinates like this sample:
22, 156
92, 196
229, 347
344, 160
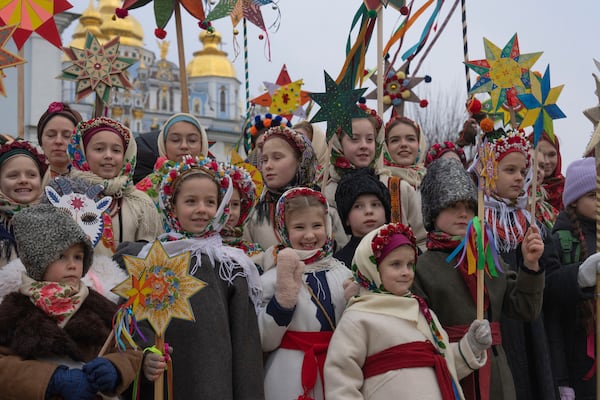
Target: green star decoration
338, 105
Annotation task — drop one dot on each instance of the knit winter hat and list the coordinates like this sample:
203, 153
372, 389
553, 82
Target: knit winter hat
56, 109
580, 179
445, 184
355, 183
43, 233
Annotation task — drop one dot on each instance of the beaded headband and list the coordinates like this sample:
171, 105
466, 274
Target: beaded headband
85, 127
295, 139
438, 149
20, 146
503, 143
385, 234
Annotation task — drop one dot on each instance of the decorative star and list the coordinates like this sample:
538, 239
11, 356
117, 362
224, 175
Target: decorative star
338, 105
97, 68
77, 203
503, 70
503, 113
487, 168
593, 113
163, 11
397, 88
159, 287
284, 97
7, 59
376, 4
33, 16
541, 106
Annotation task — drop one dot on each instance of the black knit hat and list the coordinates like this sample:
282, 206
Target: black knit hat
445, 184
355, 183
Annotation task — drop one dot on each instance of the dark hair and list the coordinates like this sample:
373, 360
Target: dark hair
196, 173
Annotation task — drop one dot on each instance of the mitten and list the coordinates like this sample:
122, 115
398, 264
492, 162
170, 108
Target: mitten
566, 393
102, 375
479, 336
586, 277
289, 278
70, 384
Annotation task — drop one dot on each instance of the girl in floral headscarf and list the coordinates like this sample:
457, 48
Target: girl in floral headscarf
405, 150
218, 356
554, 181
102, 151
303, 297
389, 344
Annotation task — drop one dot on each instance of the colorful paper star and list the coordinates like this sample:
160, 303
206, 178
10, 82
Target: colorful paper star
97, 68
284, 97
239, 9
163, 10
487, 168
503, 113
541, 106
159, 287
7, 59
503, 70
397, 88
33, 16
338, 105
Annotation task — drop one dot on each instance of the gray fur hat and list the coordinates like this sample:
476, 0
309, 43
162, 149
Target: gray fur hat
445, 184
43, 233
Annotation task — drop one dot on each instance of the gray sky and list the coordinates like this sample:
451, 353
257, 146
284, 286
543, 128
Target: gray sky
312, 38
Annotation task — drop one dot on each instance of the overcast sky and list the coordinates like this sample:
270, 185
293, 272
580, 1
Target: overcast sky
312, 38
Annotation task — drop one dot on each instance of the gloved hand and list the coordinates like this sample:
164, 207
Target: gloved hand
351, 288
566, 393
289, 278
479, 336
586, 277
71, 384
102, 375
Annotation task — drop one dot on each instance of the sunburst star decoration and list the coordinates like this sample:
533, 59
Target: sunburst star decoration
7, 59
504, 72
487, 168
159, 287
97, 68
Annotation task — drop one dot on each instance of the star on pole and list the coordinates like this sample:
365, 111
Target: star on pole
7, 59
338, 105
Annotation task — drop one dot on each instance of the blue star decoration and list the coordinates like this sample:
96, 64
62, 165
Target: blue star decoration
541, 106
338, 105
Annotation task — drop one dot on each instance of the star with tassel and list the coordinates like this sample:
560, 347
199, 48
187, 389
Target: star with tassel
97, 68
7, 59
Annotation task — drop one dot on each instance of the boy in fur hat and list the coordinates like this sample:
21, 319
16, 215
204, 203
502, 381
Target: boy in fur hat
53, 327
363, 203
449, 203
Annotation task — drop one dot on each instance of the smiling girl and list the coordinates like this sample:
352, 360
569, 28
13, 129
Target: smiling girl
103, 152
303, 297
404, 156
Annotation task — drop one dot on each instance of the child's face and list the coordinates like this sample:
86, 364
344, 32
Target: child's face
235, 207
511, 175
403, 144
68, 269
20, 179
306, 228
105, 154
183, 139
586, 205
550, 157
397, 270
196, 203
279, 163
367, 213
360, 148
454, 220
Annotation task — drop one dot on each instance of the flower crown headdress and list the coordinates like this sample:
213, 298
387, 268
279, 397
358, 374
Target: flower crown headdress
438, 149
384, 235
504, 142
242, 181
93, 124
21, 146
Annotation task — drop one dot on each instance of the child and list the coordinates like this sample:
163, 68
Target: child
363, 204
254, 135
406, 146
218, 356
241, 205
103, 152
525, 343
22, 167
449, 204
544, 210
554, 181
53, 327
389, 344
54, 130
569, 305
303, 298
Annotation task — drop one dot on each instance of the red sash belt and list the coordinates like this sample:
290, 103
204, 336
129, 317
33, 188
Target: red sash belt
455, 333
411, 355
314, 345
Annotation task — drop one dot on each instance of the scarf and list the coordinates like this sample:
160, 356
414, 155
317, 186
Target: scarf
413, 174
438, 240
57, 300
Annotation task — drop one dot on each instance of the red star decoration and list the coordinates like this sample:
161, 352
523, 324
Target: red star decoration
77, 203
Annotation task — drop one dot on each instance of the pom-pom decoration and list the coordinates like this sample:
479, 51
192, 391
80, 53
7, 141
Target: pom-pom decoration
159, 287
7, 59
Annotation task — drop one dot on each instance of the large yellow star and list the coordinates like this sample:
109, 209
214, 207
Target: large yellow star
159, 287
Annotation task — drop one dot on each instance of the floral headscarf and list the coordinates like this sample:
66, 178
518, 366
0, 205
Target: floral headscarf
181, 117
554, 184
242, 181
120, 185
437, 150
175, 175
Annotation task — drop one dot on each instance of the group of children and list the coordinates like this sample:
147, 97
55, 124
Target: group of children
352, 291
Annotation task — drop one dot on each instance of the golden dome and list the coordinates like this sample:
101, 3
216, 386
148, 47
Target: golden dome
89, 21
210, 61
129, 29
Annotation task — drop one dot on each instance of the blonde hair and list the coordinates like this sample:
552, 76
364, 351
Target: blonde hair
301, 203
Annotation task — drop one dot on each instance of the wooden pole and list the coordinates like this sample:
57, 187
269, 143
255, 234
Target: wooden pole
185, 97
98, 107
380, 80
107, 343
159, 384
534, 184
20, 97
480, 272
597, 158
